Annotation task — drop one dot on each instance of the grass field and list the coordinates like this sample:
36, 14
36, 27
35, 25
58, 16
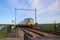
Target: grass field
49, 26
3, 32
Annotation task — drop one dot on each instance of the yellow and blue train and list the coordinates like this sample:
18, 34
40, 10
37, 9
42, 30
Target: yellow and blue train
27, 22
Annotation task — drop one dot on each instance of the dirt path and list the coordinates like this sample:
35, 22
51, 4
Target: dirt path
11, 34
10, 39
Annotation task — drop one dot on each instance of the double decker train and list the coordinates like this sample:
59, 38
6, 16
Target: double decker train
27, 22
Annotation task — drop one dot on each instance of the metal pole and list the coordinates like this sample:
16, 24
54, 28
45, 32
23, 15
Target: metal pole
15, 25
55, 26
15, 16
35, 18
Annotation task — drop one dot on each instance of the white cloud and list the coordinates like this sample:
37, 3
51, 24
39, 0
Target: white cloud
35, 4
16, 4
42, 7
52, 7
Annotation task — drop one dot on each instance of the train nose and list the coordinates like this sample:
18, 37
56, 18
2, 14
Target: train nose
28, 24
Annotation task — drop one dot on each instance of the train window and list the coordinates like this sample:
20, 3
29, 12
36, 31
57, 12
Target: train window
30, 20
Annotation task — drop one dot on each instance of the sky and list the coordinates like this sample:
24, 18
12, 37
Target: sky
48, 11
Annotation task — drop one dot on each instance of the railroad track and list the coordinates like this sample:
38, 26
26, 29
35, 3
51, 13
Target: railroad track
42, 33
32, 33
26, 32
47, 31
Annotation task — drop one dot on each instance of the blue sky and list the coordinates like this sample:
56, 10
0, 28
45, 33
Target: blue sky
48, 11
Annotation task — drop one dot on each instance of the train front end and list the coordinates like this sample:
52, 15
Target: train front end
29, 22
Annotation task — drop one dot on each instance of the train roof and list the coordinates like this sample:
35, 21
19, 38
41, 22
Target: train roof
28, 19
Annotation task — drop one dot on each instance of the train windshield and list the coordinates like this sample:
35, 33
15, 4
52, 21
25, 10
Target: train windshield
30, 20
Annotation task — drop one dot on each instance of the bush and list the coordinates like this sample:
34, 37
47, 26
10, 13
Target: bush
3, 32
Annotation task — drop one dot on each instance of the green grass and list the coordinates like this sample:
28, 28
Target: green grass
3, 32
48, 26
